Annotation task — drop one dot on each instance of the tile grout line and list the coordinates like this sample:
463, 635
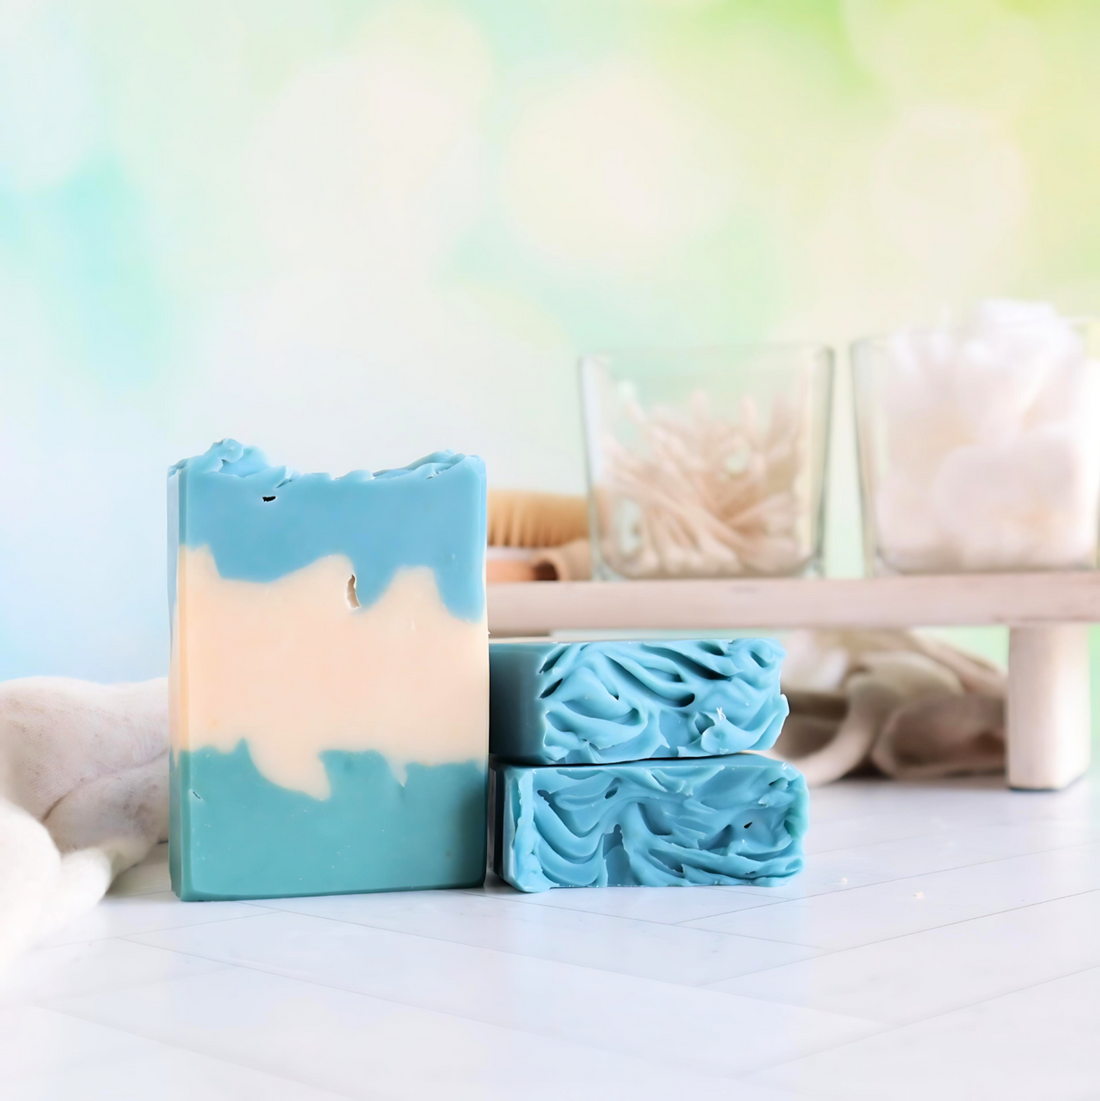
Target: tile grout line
499, 952
175, 1046
159, 929
930, 928
936, 833
902, 879
890, 1026
947, 828
267, 970
587, 967
917, 933
47, 1003
631, 917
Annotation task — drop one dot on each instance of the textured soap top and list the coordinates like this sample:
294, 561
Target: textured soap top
596, 702
719, 821
263, 521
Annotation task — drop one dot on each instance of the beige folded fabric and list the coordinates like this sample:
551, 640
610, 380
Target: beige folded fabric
909, 706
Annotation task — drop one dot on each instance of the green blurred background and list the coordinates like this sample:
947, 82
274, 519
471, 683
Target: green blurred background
356, 232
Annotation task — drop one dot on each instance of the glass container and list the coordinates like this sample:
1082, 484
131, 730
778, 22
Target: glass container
979, 444
707, 463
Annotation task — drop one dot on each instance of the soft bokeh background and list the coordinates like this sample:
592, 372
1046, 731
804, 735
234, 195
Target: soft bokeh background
356, 232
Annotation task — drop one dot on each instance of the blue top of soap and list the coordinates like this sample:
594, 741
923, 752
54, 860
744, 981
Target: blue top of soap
262, 521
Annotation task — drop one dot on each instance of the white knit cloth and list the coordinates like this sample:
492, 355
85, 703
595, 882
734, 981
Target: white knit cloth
83, 796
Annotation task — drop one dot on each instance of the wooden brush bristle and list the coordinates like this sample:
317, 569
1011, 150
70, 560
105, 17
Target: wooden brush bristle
518, 518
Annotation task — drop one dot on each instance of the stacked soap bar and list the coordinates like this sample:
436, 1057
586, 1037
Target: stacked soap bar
329, 677
574, 806
601, 702
714, 820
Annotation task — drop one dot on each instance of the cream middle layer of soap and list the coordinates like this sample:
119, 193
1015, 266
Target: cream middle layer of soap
296, 668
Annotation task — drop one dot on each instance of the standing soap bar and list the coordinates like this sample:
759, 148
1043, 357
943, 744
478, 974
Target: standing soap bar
600, 702
329, 679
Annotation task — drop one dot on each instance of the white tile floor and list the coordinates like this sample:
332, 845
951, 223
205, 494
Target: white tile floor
944, 941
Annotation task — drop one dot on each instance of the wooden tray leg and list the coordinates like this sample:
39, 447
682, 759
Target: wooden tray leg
1048, 723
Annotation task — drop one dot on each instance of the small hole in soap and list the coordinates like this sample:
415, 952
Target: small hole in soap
271, 498
352, 596
746, 825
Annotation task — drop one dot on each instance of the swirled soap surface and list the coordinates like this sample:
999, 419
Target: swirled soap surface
601, 702
718, 821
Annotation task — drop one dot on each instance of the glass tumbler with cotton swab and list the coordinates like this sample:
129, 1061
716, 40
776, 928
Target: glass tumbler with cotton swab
708, 463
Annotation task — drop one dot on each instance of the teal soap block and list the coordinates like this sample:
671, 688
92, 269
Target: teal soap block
601, 702
732, 820
329, 677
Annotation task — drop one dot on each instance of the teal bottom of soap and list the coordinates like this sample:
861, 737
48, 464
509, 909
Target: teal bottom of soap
235, 834
704, 821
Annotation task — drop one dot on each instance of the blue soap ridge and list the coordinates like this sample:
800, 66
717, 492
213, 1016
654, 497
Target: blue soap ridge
603, 702
718, 821
237, 835
382, 522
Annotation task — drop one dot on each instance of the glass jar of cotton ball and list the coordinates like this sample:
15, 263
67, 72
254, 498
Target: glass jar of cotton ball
707, 463
979, 442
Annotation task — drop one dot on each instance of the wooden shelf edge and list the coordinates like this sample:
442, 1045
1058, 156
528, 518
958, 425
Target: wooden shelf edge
1008, 599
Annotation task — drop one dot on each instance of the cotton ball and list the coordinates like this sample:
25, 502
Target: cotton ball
1070, 394
989, 443
908, 536
1006, 354
1028, 502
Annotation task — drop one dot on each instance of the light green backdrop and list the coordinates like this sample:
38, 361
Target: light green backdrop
355, 232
